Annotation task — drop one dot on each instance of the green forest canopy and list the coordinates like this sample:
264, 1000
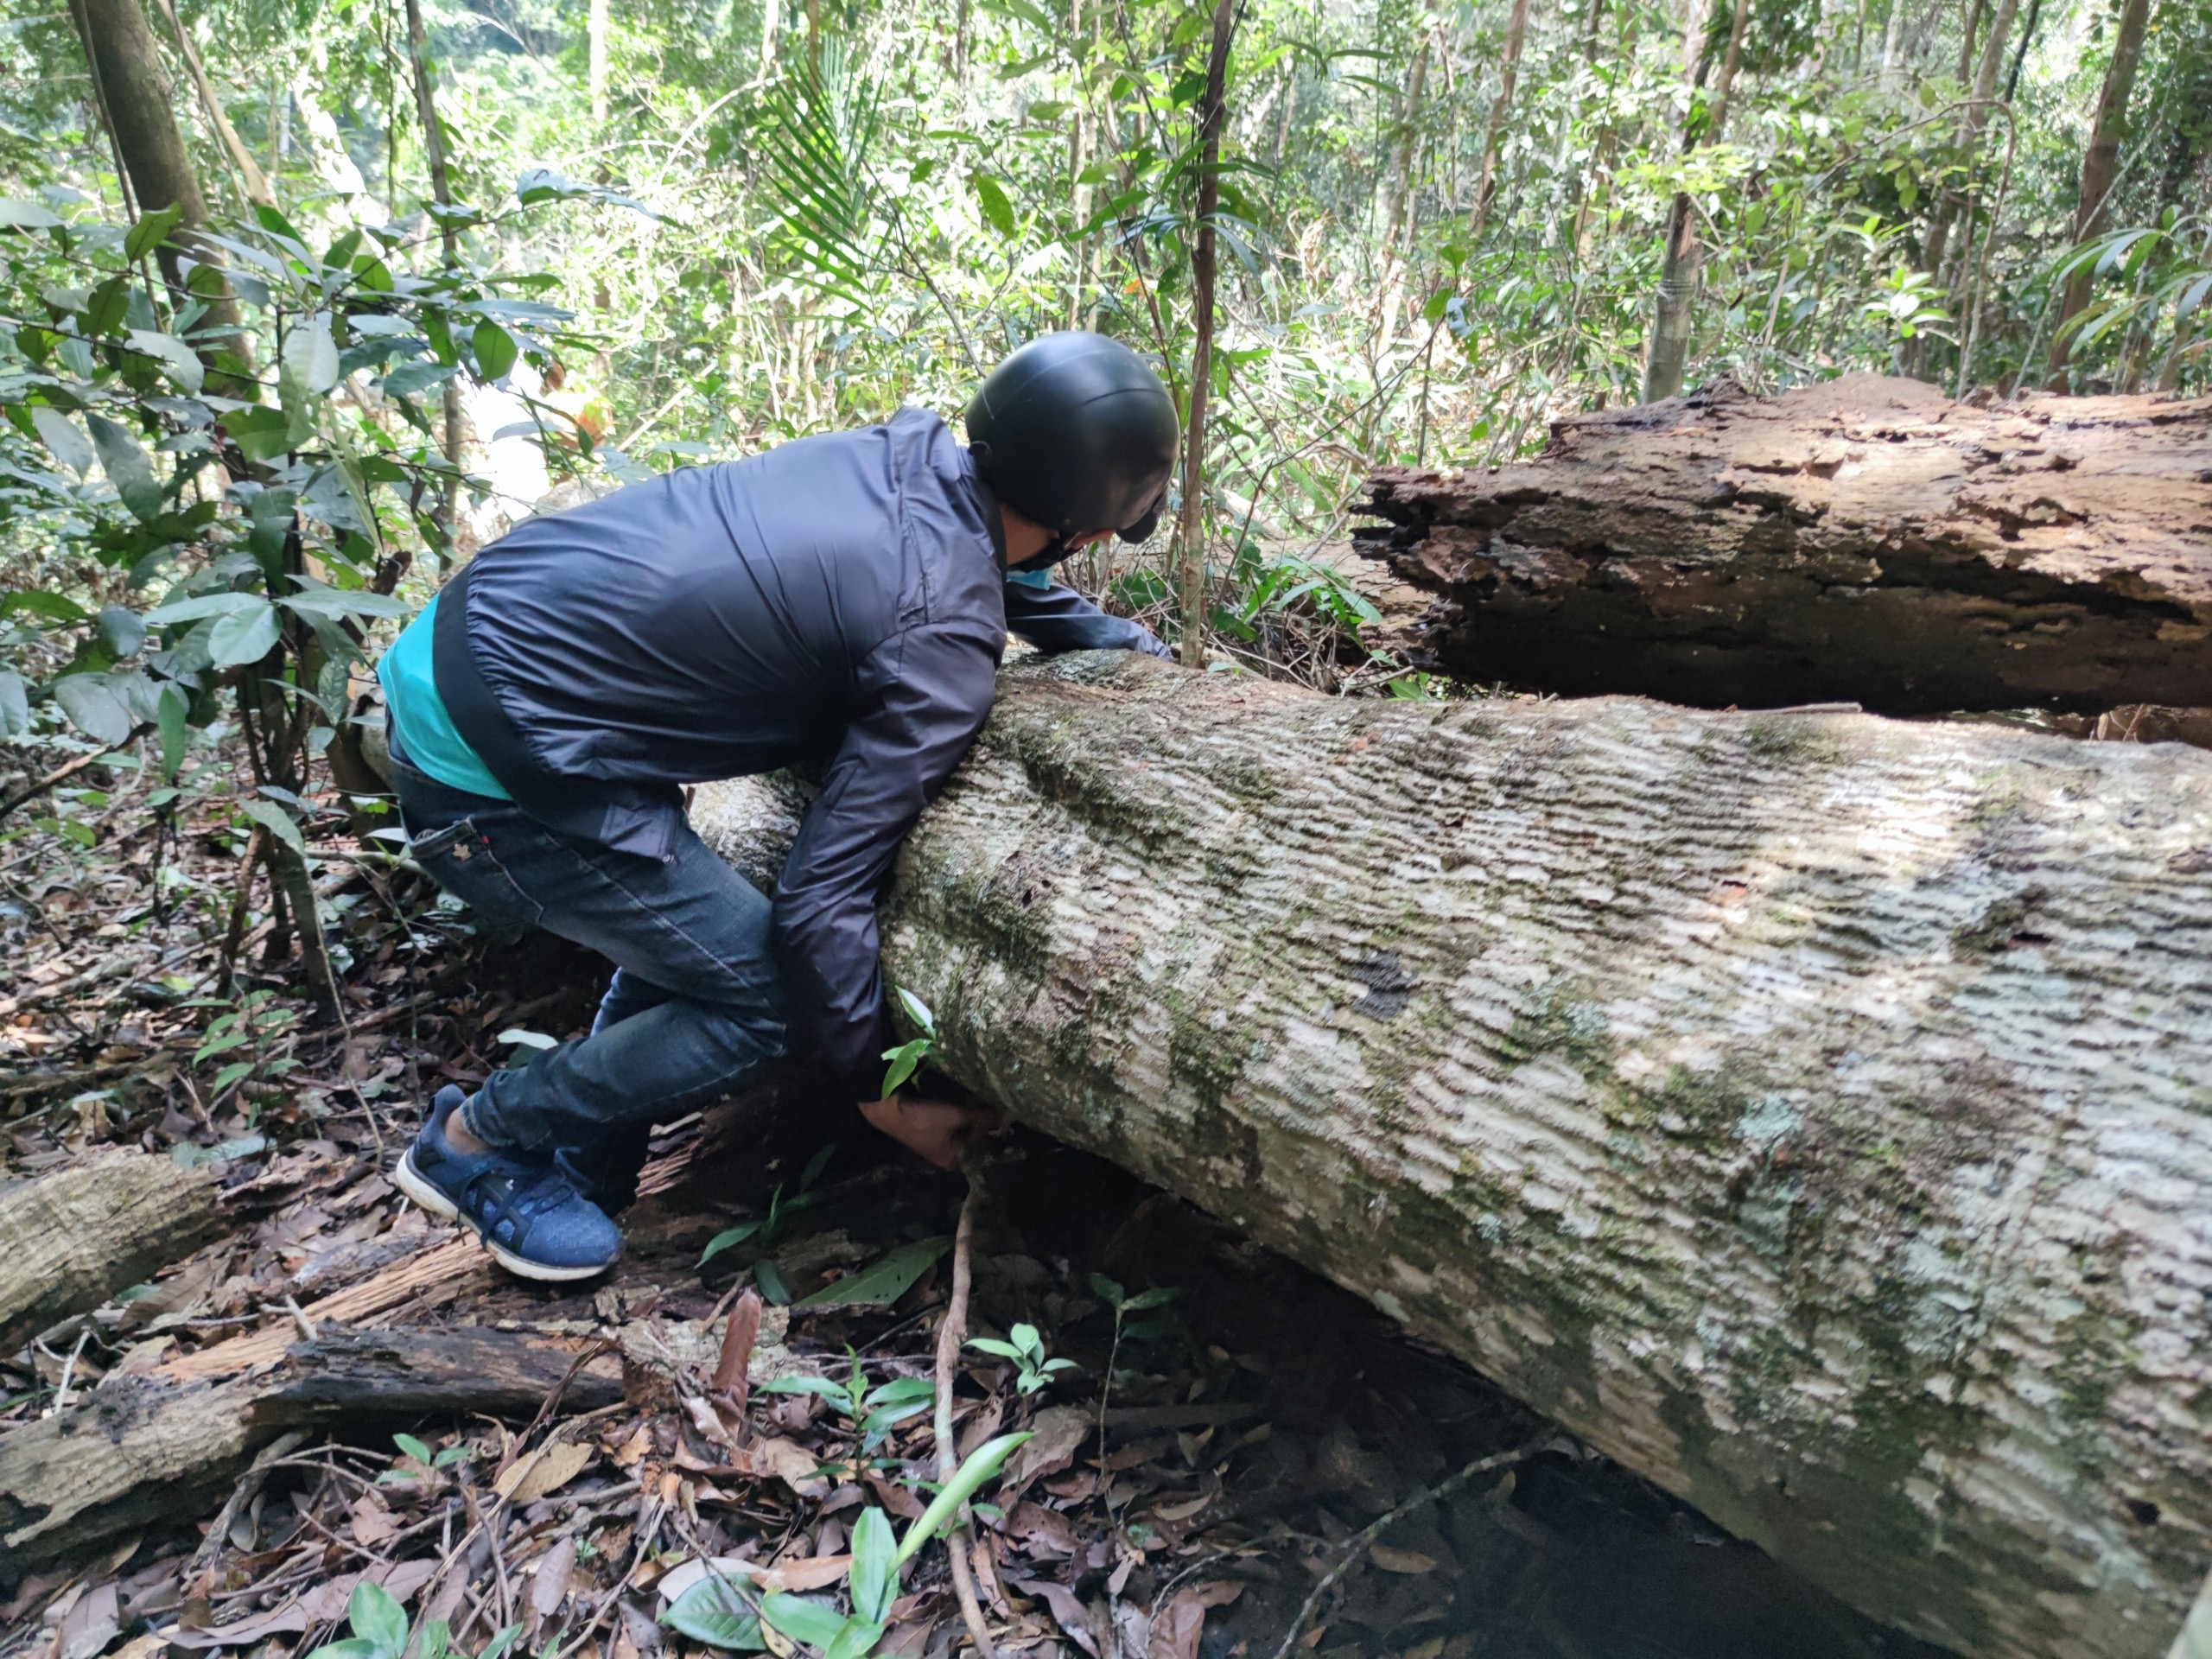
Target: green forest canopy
669, 232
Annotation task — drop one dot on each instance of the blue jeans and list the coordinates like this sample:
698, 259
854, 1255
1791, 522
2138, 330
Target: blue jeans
696, 1005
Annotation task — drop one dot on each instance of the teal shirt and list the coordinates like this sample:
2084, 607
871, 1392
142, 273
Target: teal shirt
426, 732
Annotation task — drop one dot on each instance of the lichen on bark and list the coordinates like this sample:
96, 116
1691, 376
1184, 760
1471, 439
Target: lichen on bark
1810, 1110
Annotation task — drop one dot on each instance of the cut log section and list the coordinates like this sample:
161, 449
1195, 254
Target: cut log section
78, 1236
140, 1449
1809, 1110
1863, 540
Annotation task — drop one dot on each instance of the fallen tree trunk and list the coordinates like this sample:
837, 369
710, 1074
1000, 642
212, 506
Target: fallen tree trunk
1865, 539
145, 1449
1808, 1111
78, 1236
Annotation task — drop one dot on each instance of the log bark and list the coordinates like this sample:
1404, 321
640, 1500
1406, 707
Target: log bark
140, 1449
1807, 1109
1866, 539
78, 1236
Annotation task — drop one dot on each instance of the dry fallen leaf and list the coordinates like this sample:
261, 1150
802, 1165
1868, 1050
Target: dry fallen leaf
1401, 1560
1176, 1627
544, 1470
372, 1522
788, 1461
550, 1585
809, 1572
1056, 1433
1067, 1609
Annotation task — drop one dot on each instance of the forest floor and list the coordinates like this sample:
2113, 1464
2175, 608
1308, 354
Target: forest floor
1188, 1488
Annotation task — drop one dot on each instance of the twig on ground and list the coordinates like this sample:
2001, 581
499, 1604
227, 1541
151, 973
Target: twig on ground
62, 774
1356, 1546
950, 1336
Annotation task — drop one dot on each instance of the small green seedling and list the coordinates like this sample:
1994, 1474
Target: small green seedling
908, 1056
727, 1611
769, 1228
1025, 1348
381, 1631
872, 1413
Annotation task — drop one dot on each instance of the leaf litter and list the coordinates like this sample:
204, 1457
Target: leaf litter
1211, 1430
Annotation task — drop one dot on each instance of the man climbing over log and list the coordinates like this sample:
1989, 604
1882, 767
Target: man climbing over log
844, 598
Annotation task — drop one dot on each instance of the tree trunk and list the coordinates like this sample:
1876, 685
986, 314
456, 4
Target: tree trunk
133, 93
2101, 167
79, 1235
1189, 535
434, 156
595, 58
250, 178
144, 1449
1668, 355
1509, 72
1971, 123
1782, 1103
1865, 539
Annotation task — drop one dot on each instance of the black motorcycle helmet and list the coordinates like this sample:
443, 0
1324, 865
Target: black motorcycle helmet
1076, 432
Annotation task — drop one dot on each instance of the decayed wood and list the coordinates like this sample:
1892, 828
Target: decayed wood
1863, 540
1810, 1110
146, 1449
77, 1235
435, 1275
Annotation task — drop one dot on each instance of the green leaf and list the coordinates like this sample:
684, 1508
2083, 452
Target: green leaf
242, 635
231, 1074
376, 1616
318, 353
418, 1450
875, 1578
500, 1643
185, 368
917, 1011
857, 1639
715, 1612
772, 1284
884, 1282
19, 215
15, 704
802, 1619
723, 1240
315, 599
997, 208
121, 629
496, 350
93, 706
904, 1391
148, 233
904, 1059
201, 606
127, 465
833, 1392
57, 607
1157, 1297
62, 439
992, 1346
984, 1462
411, 378
276, 821
352, 1647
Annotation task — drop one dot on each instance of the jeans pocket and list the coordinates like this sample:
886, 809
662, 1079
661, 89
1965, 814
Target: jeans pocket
458, 856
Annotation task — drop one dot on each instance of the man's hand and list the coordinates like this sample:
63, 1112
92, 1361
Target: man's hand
935, 1130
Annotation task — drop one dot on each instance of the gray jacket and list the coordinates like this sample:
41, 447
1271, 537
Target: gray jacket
841, 600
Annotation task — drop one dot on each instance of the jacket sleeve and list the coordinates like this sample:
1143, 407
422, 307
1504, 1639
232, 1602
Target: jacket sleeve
926, 694
1054, 618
